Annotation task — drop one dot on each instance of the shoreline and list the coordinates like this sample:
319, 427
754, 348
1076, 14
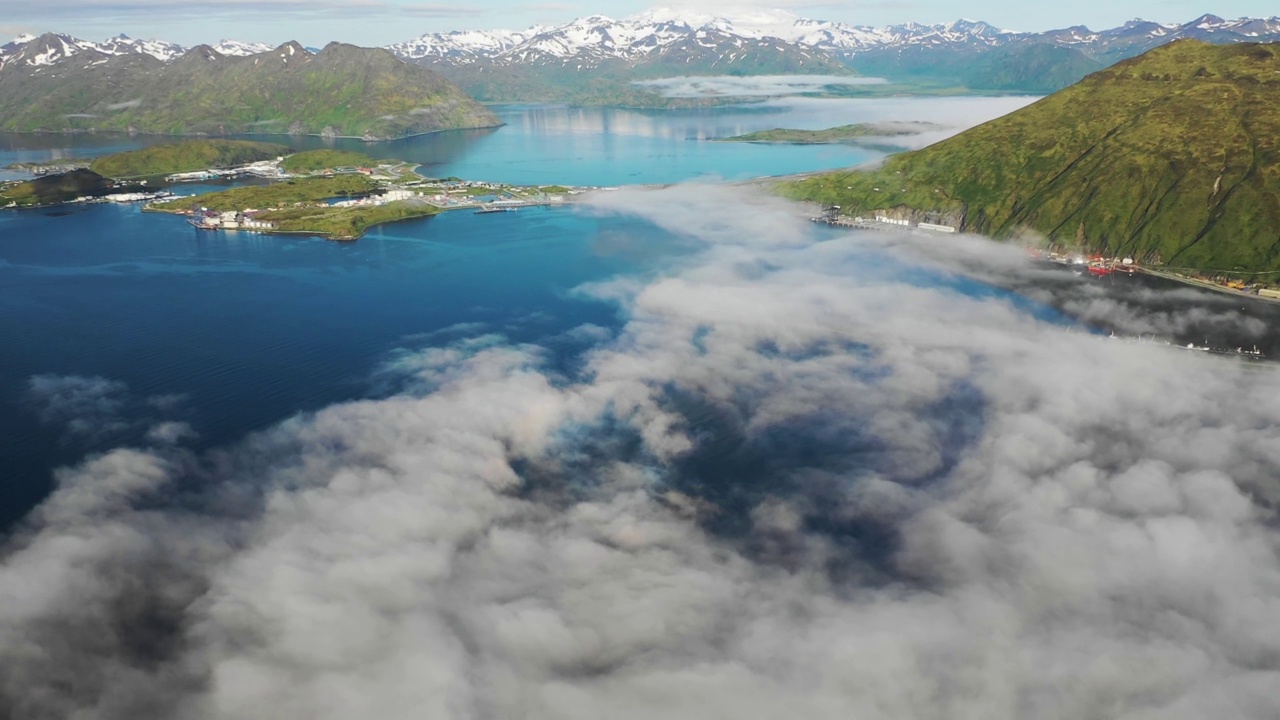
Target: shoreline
1205, 285
323, 136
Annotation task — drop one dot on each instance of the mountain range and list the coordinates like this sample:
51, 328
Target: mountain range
595, 58
1172, 157
60, 46
53, 84
968, 53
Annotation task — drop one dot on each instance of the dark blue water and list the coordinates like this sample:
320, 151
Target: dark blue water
247, 329
232, 332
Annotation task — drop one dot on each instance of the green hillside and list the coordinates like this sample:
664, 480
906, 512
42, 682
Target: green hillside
53, 189
1173, 156
313, 160
185, 157
341, 91
347, 223
1039, 68
275, 195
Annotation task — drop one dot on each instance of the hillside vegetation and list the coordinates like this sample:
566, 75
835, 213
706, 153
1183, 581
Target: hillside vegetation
314, 160
53, 189
1173, 156
341, 91
185, 157
345, 223
279, 194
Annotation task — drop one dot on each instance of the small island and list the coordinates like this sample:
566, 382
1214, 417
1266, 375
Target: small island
857, 132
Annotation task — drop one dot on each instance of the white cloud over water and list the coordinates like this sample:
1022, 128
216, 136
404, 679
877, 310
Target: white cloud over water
806, 479
753, 86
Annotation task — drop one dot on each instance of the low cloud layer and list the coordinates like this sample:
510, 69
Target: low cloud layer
818, 479
754, 86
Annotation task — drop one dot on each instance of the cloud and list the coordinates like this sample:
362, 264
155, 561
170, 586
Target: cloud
807, 477
96, 410
86, 406
754, 86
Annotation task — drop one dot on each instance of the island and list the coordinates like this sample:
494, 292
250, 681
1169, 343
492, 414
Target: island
857, 132
337, 194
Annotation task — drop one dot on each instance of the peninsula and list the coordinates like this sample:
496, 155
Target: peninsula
341, 194
336, 194
1171, 159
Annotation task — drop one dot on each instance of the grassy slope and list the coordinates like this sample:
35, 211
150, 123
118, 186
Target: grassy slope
185, 157
1174, 155
339, 223
1034, 67
343, 90
347, 223
53, 189
313, 160
278, 194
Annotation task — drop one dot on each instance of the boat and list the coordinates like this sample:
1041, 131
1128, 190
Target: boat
486, 211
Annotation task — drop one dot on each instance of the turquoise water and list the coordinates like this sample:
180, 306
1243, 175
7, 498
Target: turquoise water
232, 332
556, 144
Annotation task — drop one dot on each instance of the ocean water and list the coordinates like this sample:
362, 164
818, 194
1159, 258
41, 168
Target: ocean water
127, 321
230, 332
554, 144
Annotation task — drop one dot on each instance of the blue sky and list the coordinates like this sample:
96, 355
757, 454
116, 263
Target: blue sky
378, 22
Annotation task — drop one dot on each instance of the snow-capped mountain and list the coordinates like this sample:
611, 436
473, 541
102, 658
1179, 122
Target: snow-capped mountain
588, 41
44, 50
125, 45
50, 48
598, 37
592, 39
464, 46
240, 49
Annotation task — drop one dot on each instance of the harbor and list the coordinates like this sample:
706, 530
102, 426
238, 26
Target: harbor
1089, 265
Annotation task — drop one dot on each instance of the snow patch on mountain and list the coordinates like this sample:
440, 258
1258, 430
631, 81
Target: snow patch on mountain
51, 48
593, 39
240, 49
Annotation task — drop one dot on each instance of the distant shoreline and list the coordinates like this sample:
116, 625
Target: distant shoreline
136, 133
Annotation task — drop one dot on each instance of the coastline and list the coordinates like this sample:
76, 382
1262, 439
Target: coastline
136, 133
1205, 285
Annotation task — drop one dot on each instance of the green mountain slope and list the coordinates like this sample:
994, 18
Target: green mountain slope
341, 91
185, 157
1173, 156
53, 189
324, 159
1036, 68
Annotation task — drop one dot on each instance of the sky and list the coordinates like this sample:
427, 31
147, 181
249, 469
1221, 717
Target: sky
381, 22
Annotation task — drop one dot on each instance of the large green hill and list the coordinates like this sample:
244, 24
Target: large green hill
342, 90
1173, 156
185, 157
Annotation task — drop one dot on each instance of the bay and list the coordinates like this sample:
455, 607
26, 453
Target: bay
114, 322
